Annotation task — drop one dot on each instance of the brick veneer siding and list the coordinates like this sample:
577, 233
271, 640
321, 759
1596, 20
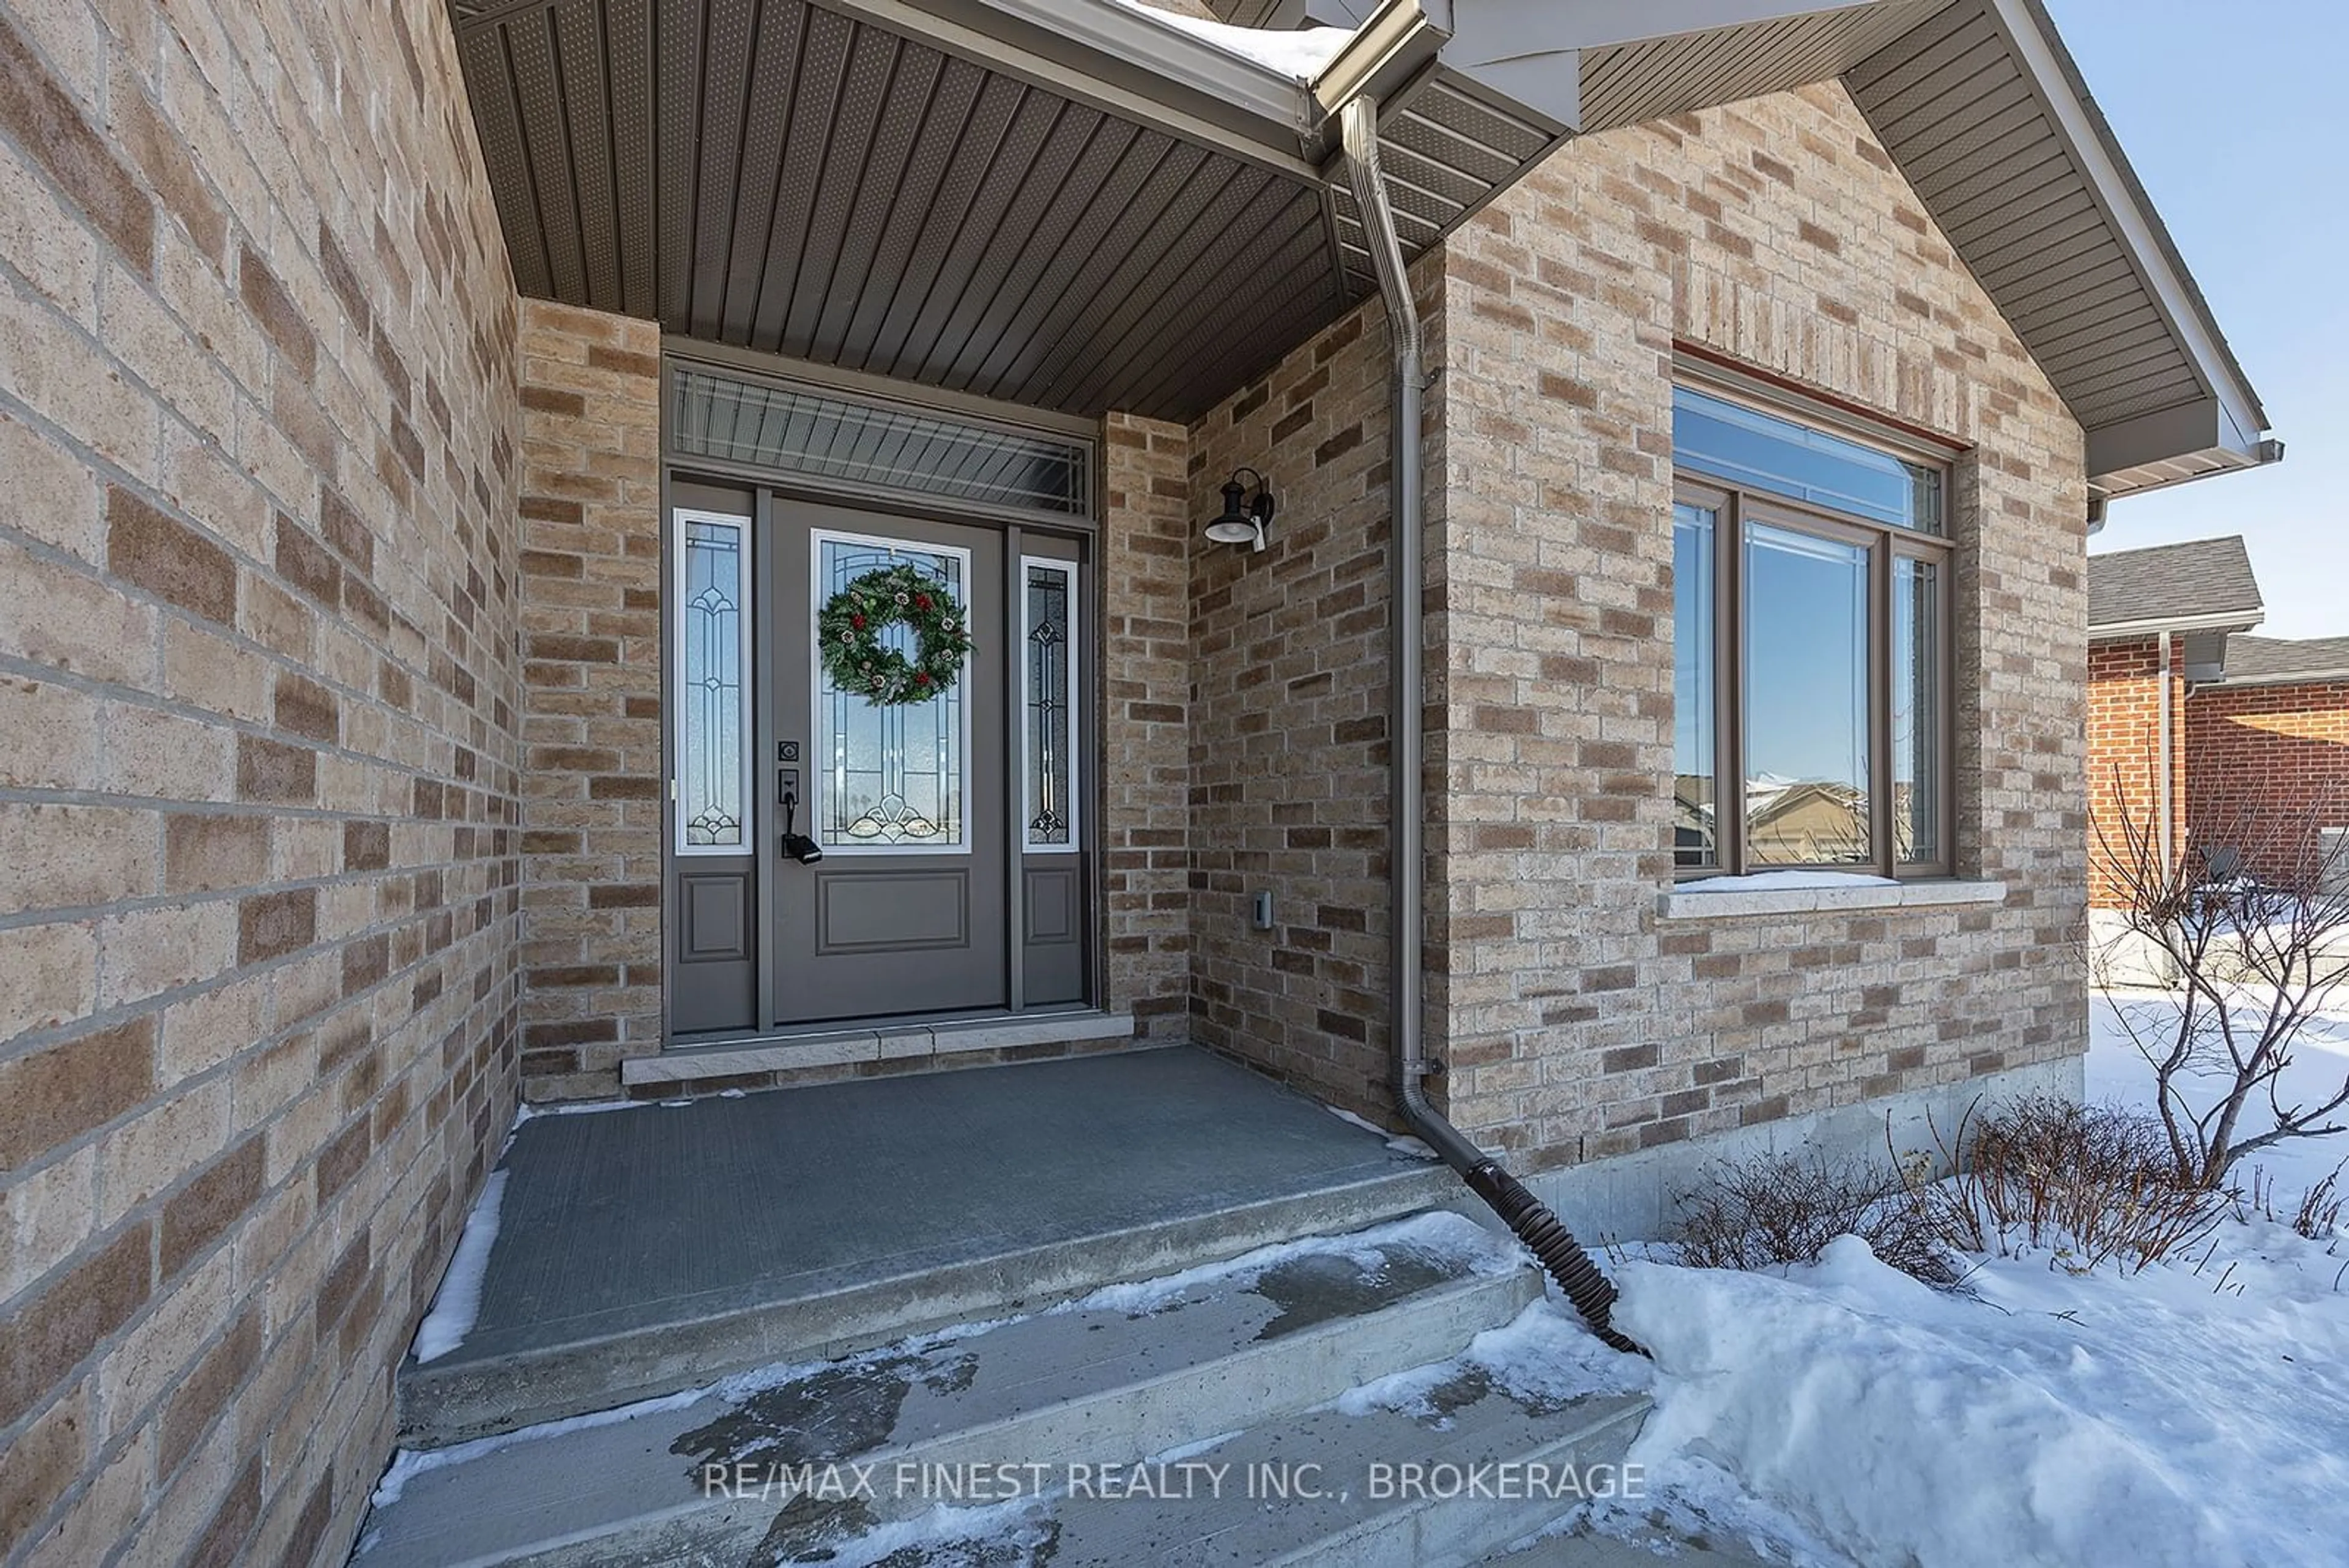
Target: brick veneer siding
2125, 692
259, 695
1288, 728
592, 809
1578, 1023
2262, 764
1146, 716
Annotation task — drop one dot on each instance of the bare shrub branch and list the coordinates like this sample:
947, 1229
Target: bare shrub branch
1772, 1210
2089, 1185
2320, 1207
2251, 921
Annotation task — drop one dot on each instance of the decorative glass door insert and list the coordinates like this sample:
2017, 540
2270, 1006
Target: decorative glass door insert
1048, 654
889, 778
713, 650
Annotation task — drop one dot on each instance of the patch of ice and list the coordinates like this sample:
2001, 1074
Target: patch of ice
527, 1113
1543, 1355
458, 1300
730, 1093
1400, 1143
1447, 1237
1304, 53
1011, 1532
407, 1464
1783, 882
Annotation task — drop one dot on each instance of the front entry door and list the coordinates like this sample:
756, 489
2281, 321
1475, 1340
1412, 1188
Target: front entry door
904, 913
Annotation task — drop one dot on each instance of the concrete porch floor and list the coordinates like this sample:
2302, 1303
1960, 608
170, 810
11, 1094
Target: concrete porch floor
644, 1251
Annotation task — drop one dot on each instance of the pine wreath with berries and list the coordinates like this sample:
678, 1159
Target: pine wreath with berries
849, 629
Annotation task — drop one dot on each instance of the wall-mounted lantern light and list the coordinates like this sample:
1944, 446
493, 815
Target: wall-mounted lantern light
1245, 514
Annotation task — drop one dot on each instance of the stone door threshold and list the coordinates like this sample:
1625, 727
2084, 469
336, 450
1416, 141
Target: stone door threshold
904, 1045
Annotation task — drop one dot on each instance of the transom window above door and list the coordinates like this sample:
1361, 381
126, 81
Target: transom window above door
1811, 652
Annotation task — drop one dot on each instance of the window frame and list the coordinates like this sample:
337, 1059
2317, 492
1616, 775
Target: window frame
1732, 506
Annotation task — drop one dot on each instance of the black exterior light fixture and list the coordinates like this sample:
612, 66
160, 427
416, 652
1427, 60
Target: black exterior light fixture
1245, 514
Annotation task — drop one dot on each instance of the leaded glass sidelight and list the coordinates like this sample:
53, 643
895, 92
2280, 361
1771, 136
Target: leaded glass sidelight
712, 632
890, 778
1048, 653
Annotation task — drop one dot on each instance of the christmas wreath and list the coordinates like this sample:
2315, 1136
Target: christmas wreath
849, 629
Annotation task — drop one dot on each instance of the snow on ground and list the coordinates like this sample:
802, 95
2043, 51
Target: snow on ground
1541, 1355
2166, 1418
2320, 1058
458, 1301
1303, 53
2196, 1413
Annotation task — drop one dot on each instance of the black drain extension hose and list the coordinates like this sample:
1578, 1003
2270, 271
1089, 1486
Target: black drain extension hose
1547, 1239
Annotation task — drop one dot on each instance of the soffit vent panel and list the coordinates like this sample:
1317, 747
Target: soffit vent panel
1958, 114
792, 179
1630, 84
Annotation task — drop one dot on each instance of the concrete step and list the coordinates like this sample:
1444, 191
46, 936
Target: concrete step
1130, 1371
1324, 1488
1651, 1546
465, 1396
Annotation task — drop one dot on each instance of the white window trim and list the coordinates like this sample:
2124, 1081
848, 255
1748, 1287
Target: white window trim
820, 765
679, 517
1067, 571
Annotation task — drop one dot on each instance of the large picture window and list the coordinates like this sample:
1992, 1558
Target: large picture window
1810, 664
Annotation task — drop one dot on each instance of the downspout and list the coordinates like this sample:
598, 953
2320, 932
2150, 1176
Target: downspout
2163, 745
1525, 1215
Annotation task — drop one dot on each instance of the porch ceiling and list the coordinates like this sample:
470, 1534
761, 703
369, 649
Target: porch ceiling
803, 181
1078, 206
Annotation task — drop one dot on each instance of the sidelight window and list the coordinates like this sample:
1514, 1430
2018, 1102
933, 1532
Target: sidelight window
1048, 735
1810, 664
713, 652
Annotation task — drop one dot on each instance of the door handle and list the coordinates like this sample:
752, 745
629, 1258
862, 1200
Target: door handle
797, 846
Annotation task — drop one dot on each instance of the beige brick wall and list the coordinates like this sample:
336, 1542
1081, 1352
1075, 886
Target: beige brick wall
1576, 1022
592, 807
259, 695
1288, 734
1145, 719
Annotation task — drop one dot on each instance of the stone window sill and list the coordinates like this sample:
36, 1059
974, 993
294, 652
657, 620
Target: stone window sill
1713, 905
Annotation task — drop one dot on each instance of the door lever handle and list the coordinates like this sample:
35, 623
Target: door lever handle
799, 847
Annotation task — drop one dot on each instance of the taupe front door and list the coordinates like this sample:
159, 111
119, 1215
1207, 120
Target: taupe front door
905, 911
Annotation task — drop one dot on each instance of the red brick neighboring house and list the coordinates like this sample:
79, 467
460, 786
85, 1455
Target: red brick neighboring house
2158, 621
2217, 738
2270, 741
